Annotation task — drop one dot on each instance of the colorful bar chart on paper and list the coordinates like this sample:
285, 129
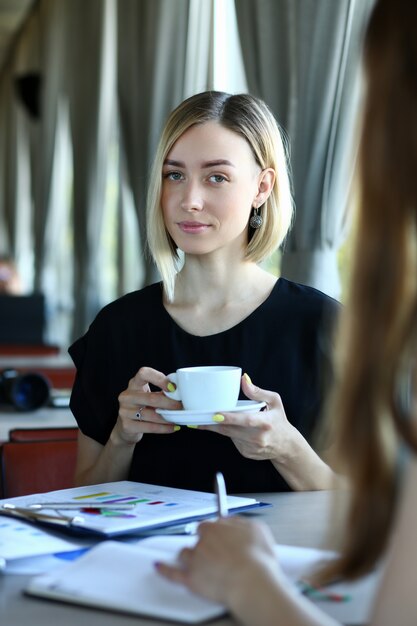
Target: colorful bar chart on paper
153, 506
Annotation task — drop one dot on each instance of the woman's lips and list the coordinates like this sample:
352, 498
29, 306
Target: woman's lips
193, 227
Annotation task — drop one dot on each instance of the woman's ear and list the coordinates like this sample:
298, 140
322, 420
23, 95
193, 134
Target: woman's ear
266, 183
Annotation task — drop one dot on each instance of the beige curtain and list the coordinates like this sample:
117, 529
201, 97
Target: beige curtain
90, 58
16, 216
158, 53
45, 40
303, 58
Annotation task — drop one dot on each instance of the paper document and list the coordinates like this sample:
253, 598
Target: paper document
153, 507
20, 540
122, 577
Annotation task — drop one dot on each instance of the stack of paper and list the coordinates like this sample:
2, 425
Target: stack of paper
152, 507
122, 577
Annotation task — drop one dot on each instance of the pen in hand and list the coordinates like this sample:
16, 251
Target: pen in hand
220, 489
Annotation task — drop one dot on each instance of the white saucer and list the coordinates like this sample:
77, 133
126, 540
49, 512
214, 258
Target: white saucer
205, 418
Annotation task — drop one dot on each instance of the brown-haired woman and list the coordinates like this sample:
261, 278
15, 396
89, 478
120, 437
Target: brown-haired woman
375, 402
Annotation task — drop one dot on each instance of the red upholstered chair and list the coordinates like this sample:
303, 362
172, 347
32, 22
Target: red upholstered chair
42, 434
36, 466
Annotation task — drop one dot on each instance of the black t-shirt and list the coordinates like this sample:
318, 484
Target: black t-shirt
284, 346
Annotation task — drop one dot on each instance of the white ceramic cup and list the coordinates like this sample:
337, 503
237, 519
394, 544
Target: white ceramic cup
206, 388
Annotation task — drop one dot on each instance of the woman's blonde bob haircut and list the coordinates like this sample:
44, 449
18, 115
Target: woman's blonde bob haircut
252, 119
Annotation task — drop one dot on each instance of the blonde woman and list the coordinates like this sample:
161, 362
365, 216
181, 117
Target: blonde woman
375, 402
219, 202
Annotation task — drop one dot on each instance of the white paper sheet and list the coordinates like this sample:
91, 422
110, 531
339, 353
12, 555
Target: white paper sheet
122, 577
153, 505
19, 539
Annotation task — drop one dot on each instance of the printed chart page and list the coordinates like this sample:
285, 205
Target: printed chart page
153, 506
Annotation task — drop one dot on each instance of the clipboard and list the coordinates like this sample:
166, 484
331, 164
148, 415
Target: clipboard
154, 508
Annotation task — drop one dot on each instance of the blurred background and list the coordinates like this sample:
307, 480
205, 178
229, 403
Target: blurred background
85, 87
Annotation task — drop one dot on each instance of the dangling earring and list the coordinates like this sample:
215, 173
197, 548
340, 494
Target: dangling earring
256, 220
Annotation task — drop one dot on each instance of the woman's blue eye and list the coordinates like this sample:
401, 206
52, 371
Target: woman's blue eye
173, 175
218, 178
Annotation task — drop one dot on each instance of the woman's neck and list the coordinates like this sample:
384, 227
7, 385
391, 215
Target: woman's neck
211, 298
219, 283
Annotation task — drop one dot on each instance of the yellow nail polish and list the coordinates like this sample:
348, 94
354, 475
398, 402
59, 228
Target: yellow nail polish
177, 428
171, 387
218, 418
192, 426
248, 378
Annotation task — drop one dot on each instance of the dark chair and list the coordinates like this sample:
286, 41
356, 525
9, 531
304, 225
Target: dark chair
36, 466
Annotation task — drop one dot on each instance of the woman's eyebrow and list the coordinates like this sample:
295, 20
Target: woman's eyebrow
174, 163
204, 165
217, 162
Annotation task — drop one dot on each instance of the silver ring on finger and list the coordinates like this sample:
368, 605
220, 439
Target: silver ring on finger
139, 413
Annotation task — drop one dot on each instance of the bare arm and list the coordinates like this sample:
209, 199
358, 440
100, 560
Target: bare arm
303, 468
234, 563
100, 464
396, 601
97, 463
268, 435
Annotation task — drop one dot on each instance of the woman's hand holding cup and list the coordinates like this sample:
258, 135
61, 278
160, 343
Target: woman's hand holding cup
137, 405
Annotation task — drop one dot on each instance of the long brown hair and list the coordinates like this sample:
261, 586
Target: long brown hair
378, 330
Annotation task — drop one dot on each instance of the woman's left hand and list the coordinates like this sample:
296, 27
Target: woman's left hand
259, 435
268, 435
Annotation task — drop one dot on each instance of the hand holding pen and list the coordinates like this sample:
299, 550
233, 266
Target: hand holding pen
307, 589
224, 551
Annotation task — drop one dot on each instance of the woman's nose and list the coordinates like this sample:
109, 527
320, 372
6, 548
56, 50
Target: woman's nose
192, 199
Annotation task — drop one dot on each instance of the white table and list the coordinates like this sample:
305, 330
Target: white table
44, 417
61, 360
295, 518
